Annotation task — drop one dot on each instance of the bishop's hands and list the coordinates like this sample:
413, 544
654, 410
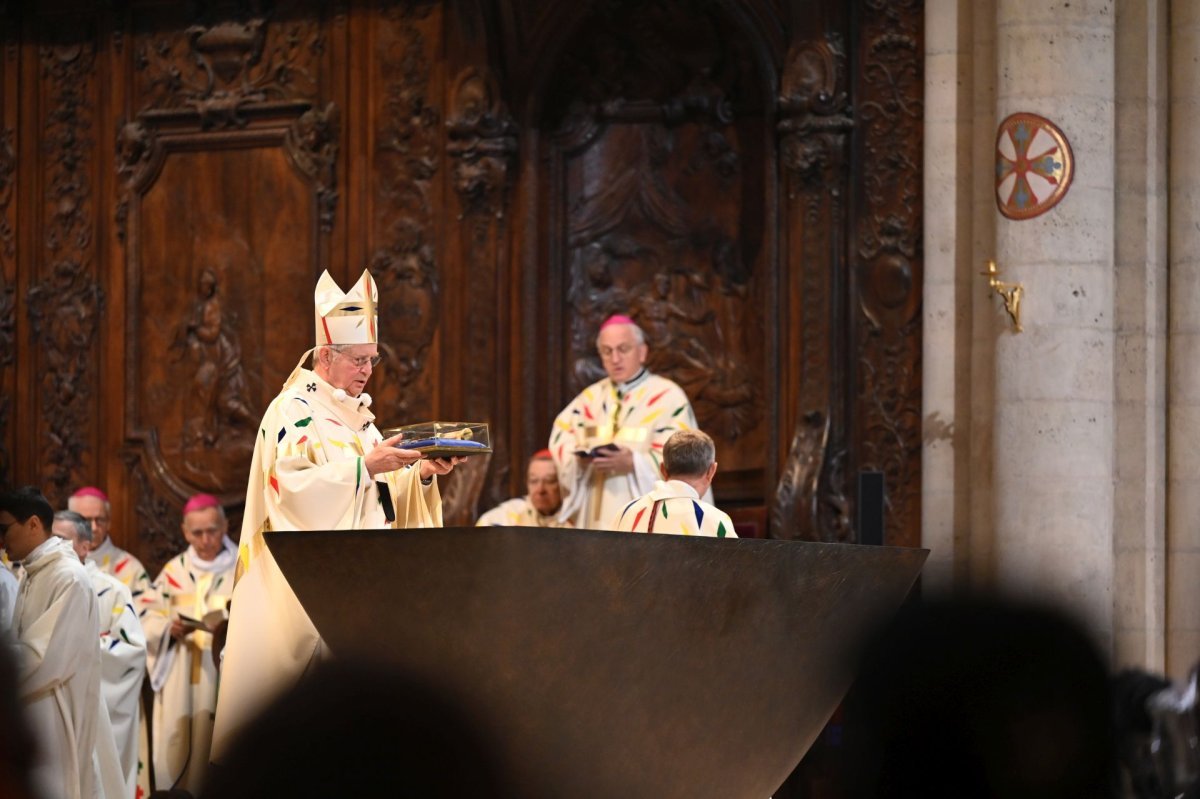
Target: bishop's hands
387, 457
433, 466
615, 462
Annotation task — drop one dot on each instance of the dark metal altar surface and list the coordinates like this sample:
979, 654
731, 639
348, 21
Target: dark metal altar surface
610, 664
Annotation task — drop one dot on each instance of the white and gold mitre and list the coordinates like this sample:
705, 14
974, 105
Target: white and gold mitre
347, 317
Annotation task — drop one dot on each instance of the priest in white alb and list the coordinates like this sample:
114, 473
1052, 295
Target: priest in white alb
122, 648
188, 601
607, 443
319, 464
56, 624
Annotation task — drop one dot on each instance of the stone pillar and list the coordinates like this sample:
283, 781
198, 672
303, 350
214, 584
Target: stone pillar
1054, 392
1183, 458
946, 362
1141, 313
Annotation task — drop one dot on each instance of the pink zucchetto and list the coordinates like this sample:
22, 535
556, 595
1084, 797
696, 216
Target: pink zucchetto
200, 502
90, 491
616, 319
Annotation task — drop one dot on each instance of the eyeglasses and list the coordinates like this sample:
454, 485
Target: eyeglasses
99, 521
361, 361
607, 353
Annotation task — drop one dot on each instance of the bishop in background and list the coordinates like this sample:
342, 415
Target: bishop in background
607, 444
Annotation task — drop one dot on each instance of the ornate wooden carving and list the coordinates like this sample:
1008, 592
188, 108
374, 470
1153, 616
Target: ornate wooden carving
159, 536
887, 263
406, 159
227, 110
814, 122
221, 69
665, 103
8, 308
65, 304
482, 146
312, 144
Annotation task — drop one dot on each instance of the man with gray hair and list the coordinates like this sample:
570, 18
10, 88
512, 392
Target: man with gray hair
675, 505
122, 646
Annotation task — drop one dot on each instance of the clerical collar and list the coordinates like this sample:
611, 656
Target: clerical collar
633, 382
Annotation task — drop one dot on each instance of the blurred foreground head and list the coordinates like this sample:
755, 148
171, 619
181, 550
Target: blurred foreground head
16, 741
980, 698
355, 729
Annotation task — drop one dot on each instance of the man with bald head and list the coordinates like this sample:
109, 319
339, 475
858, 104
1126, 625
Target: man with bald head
607, 443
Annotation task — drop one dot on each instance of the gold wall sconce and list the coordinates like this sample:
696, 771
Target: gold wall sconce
1009, 292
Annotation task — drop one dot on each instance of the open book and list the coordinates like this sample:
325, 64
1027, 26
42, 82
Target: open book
211, 621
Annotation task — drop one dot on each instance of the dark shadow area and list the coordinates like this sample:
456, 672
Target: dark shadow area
356, 729
979, 698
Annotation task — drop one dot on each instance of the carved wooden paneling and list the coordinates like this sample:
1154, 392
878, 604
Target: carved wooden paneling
64, 300
7, 290
886, 249
656, 168
406, 161
225, 118
739, 175
9, 96
814, 124
482, 149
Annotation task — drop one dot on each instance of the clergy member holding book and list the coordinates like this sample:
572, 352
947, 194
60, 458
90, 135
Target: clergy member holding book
319, 464
607, 444
186, 604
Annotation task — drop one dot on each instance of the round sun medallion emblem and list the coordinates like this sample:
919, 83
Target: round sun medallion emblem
1034, 166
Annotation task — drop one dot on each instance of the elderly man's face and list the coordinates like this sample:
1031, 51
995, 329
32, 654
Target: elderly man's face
620, 352
351, 369
542, 483
93, 509
205, 530
66, 530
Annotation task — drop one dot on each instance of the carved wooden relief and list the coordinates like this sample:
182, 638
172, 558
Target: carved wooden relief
656, 161
814, 123
887, 259
65, 302
482, 149
221, 300
8, 308
405, 164
9, 98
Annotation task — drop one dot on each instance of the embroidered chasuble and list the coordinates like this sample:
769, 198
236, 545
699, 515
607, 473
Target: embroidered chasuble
56, 626
183, 673
307, 474
518, 512
111, 559
641, 415
122, 669
675, 507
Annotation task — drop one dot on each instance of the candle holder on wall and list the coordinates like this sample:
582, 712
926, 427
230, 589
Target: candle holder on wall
1009, 292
